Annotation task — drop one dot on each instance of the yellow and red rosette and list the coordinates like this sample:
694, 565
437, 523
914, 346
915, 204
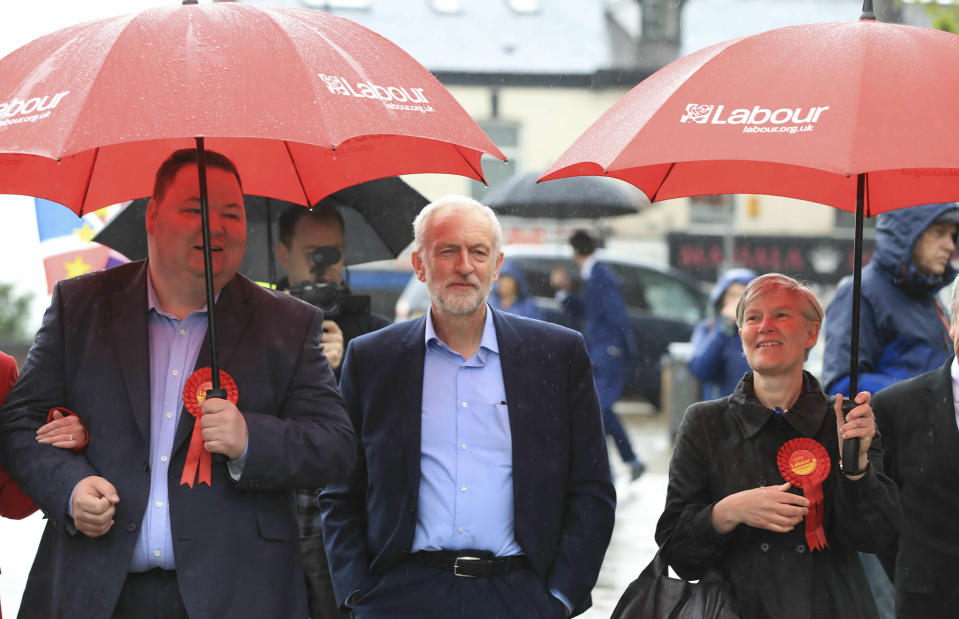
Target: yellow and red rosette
198, 459
804, 463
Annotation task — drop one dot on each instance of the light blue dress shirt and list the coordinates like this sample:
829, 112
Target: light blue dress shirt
466, 461
174, 347
466, 452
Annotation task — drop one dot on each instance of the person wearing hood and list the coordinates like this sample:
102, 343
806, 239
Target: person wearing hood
511, 293
717, 359
904, 330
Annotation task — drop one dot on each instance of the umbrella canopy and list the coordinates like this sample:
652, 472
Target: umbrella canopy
305, 104
798, 112
855, 115
577, 197
377, 217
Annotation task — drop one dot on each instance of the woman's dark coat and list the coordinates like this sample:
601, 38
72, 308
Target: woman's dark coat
774, 574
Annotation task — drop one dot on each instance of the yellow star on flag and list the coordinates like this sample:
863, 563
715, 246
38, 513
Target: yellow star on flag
86, 233
77, 267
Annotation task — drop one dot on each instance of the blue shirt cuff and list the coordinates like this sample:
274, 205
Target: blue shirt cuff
562, 598
236, 466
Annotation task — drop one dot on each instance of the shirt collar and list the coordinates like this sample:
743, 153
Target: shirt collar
488, 340
806, 415
587, 269
954, 372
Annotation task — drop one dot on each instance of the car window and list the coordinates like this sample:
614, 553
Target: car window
537, 271
644, 290
659, 294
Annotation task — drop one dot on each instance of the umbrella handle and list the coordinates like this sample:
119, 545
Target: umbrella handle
850, 446
217, 393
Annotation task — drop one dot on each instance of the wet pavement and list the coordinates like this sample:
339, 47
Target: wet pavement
638, 508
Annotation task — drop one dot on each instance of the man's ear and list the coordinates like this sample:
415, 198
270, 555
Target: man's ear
151, 216
499, 265
283, 255
418, 266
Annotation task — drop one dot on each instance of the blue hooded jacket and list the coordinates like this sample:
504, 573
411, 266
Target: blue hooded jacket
717, 358
903, 330
523, 305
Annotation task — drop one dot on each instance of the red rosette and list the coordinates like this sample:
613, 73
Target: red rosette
198, 460
805, 464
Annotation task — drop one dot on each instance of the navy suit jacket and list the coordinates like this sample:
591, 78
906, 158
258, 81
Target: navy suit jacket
601, 311
235, 543
564, 500
920, 442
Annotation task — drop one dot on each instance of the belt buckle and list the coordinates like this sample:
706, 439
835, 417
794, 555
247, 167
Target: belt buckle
456, 566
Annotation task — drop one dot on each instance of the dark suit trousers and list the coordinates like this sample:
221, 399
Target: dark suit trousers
610, 377
414, 591
153, 594
319, 585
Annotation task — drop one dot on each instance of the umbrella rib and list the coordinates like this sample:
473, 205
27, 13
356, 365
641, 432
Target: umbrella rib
655, 196
86, 186
479, 172
296, 170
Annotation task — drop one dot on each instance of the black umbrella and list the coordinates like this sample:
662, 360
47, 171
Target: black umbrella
585, 197
378, 217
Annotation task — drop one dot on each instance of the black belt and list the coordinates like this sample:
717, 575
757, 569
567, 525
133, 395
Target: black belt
470, 563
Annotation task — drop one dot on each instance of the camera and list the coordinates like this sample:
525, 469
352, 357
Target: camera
331, 299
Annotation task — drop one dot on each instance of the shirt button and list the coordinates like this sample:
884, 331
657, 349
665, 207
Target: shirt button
182, 331
463, 446
163, 458
463, 404
156, 553
175, 372
169, 415
159, 503
462, 488
800, 549
131, 527
764, 547
459, 530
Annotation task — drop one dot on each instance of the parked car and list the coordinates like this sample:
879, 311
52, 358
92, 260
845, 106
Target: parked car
664, 303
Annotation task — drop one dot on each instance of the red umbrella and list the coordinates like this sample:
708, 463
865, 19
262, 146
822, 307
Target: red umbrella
855, 115
305, 104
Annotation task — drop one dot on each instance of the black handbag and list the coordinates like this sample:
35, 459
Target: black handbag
654, 595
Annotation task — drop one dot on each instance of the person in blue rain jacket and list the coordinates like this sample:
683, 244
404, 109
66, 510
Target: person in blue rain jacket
717, 358
904, 330
511, 293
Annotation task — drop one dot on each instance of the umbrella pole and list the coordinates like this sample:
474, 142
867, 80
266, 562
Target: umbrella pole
216, 391
850, 447
271, 264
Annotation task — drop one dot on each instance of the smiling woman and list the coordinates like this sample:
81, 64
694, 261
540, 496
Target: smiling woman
756, 489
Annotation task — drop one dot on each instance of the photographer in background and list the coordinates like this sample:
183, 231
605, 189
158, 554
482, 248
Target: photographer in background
311, 249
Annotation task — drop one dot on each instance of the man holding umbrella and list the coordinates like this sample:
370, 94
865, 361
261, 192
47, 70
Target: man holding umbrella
117, 347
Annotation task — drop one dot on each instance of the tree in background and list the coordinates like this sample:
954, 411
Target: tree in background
14, 313
944, 17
